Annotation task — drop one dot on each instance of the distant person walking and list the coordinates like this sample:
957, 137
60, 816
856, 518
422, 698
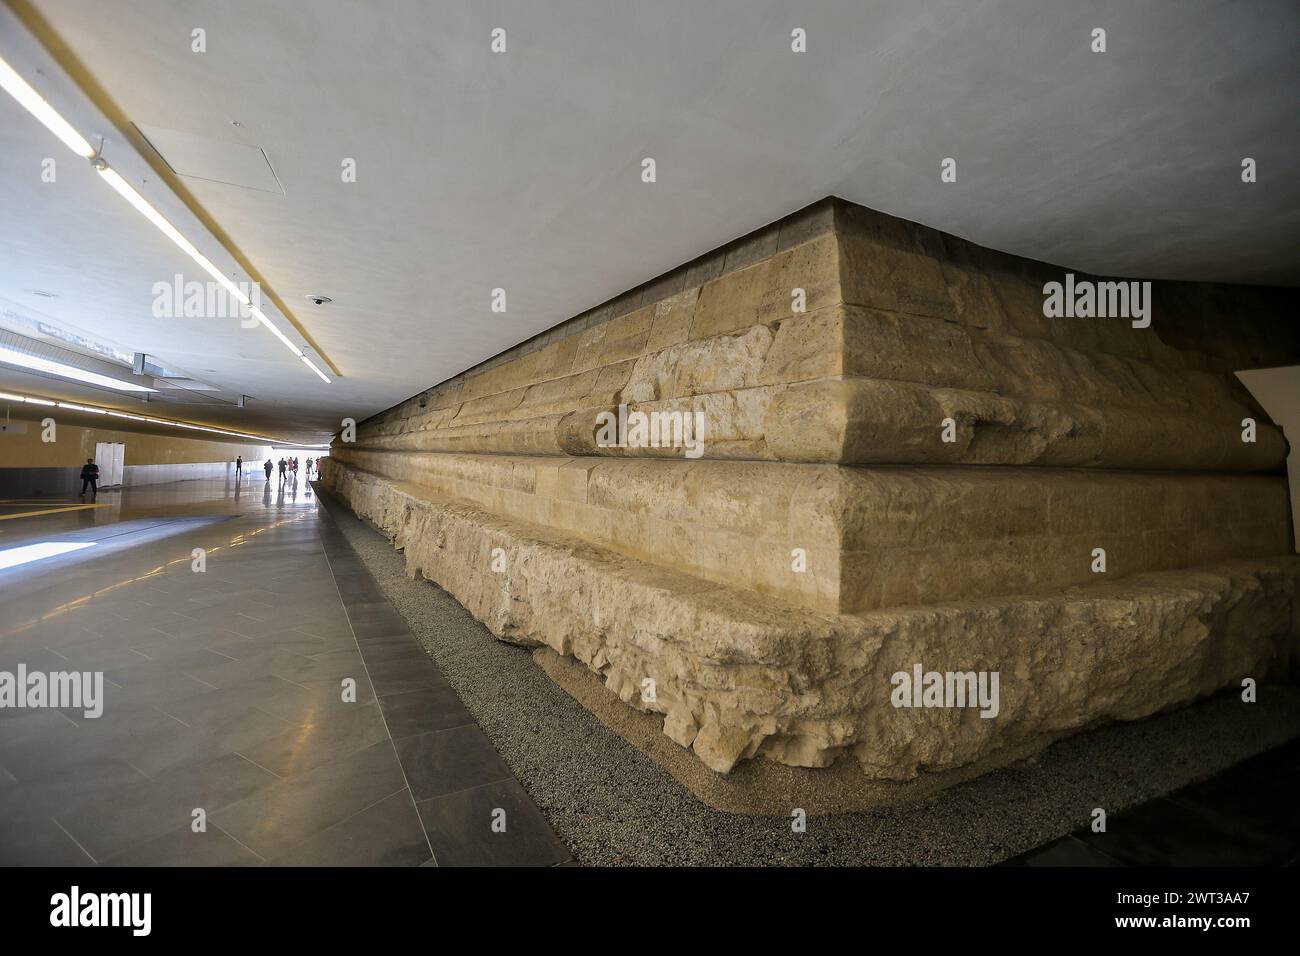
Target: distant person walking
309, 469
239, 468
266, 466
90, 476
283, 466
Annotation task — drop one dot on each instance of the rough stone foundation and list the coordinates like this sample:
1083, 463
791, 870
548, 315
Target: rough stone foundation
761, 597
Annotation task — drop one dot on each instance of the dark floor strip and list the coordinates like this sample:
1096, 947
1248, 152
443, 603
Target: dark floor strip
1245, 816
474, 811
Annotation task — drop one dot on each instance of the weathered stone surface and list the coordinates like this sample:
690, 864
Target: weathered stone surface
871, 538
737, 675
917, 468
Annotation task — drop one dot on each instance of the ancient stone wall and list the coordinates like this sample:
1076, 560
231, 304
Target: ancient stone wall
902, 460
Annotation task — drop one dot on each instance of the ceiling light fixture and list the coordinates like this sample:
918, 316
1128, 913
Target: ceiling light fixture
312, 365
32, 101
74, 407
258, 314
142, 205
35, 104
51, 367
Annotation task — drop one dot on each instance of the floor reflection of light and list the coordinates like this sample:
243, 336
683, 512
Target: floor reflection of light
239, 539
13, 557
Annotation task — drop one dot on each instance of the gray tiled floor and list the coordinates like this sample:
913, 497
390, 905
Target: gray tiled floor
1245, 816
223, 695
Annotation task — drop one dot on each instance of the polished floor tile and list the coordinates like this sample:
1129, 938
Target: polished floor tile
492, 825
1244, 816
277, 694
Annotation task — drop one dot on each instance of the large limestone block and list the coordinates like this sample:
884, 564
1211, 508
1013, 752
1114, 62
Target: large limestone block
881, 537
902, 328
737, 676
905, 462
764, 292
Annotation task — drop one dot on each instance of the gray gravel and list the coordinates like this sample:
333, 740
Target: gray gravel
611, 805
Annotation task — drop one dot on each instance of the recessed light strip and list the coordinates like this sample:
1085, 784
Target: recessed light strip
142, 205
76, 407
312, 365
63, 370
35, 104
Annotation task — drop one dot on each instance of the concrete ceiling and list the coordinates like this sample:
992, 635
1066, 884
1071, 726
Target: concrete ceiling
522, 171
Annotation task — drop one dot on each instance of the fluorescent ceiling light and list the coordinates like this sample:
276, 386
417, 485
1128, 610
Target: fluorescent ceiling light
72, 406
142, 205
312, 365
22, 91
49, 366
258, 314
32, 101
128, 192
12, 557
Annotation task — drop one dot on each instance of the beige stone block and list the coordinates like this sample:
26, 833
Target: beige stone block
654, 487
492, 406
910, 348
725, 555
571, 481
546, 478
896, 422
611, 382
729, 302
724, 363
569, 389
672, 543
672, 320
1103, 507
818, 501
1021, 297
974, 301
721, 495
734, 419
813, 266
626, 336
890, 273
589, 351
806, 347
817, 586
654, 376
809, 421
764, 292
577, 518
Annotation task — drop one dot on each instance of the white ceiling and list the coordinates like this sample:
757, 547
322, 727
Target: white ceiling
522, 170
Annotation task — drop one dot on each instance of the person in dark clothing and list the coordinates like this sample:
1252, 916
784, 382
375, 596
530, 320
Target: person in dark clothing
283, 465
266, 466
239, 468
90, 476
